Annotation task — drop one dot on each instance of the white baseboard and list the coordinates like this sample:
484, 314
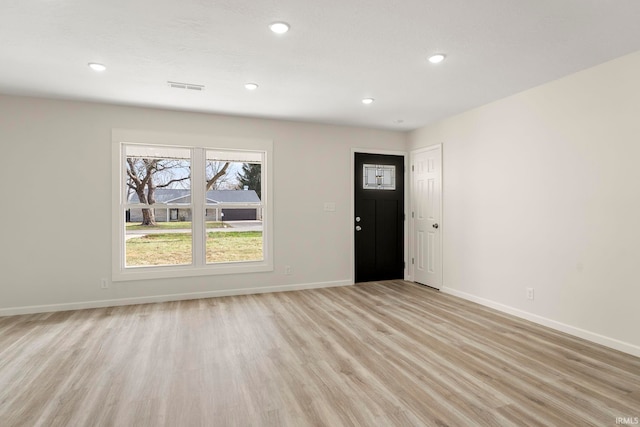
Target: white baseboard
164, 298
562, 327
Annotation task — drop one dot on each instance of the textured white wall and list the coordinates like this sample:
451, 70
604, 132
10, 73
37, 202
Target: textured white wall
542, 190
55, 185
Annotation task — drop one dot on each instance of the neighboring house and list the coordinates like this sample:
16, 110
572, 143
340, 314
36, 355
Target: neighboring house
180, 196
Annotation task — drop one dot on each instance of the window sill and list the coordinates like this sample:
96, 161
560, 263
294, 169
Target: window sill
163, 272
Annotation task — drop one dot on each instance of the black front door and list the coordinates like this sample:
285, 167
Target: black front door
379, 217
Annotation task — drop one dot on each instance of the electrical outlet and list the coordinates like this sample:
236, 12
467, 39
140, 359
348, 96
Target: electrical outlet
288, 270
104, 283
529, 293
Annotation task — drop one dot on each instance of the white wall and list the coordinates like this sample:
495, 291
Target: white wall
542, 190
57, 158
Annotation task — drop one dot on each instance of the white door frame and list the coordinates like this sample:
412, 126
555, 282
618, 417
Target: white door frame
352, 214
412, 232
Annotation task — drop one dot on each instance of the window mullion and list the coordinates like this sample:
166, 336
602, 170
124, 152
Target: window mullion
197, 205
123, 207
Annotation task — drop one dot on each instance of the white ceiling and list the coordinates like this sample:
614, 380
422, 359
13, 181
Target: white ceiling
336, 53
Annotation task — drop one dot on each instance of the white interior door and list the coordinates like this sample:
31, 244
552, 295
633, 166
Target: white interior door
426, 215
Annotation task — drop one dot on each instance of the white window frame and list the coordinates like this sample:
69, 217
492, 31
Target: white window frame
199, 143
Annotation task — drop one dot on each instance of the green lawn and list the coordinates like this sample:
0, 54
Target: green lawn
175, 248
174, 225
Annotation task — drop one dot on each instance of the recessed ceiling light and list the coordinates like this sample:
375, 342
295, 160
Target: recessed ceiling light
437, 58
251, 86
96, 67
367, 101
279, 27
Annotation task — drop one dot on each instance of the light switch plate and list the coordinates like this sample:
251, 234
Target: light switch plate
329, 206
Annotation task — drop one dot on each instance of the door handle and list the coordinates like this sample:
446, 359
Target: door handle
435, 225
358, 228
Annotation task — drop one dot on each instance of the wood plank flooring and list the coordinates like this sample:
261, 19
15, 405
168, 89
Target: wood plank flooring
376, 354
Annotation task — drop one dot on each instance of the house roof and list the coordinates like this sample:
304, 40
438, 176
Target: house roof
173, 195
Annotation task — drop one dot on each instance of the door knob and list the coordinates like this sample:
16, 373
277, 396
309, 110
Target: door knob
358, 228
435, 225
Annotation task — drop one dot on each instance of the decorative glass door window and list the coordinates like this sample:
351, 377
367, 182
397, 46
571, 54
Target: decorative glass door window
379, 177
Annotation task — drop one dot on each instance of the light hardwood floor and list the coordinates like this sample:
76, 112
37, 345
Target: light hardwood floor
376, 354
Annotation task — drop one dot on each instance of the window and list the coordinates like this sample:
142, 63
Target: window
184, 210
379, 177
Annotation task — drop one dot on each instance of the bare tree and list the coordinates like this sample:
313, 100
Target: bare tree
146, 175
216, 174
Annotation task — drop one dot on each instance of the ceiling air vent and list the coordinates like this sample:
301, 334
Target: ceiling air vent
189, 86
